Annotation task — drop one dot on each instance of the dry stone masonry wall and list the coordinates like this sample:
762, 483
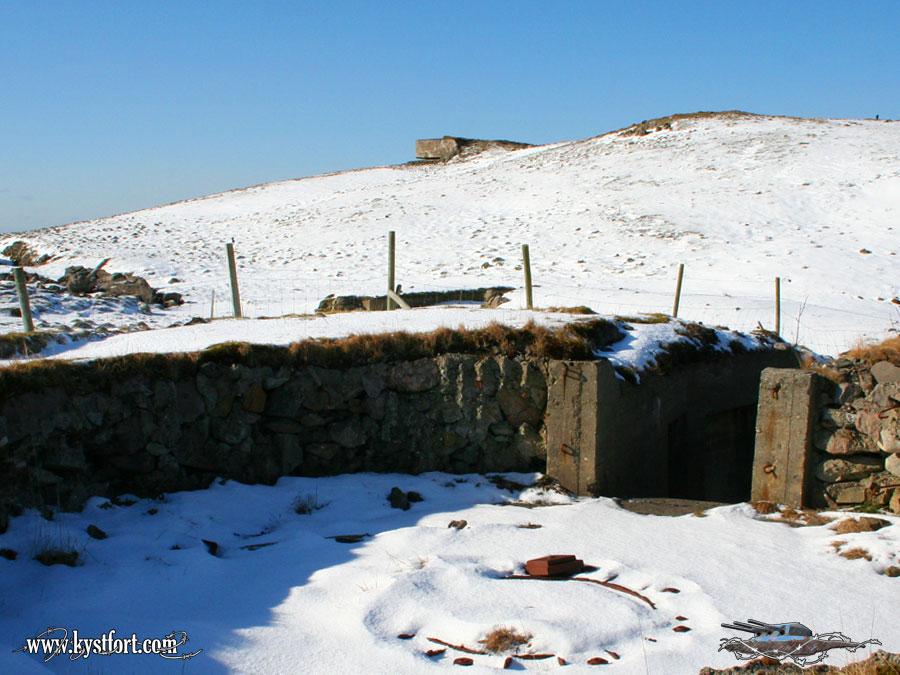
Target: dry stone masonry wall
151, 434
830, 442
858, 437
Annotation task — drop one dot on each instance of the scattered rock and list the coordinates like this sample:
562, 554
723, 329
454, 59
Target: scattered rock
350, 538
80, 280
96, 532
211, 546
892, 571
681, 629
56, 556
10, 554
398, 499
597, 661
862, 524
462, 661
458, 524
414, 496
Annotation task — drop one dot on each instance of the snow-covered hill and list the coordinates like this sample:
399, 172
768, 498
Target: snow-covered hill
738, 198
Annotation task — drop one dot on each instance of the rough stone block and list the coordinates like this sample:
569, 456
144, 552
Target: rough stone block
892, 464
852, 468
885, 371
847, 442
847, 493
837, 417
254, 399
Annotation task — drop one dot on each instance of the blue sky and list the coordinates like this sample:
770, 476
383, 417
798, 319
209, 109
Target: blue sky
107, 107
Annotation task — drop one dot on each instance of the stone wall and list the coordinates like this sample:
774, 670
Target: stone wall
830, 441
157, 433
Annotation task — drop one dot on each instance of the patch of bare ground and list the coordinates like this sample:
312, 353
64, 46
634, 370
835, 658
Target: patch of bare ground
879, 663
660, 123
788, 515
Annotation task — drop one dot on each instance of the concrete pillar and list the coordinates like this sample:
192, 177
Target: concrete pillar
582, 402
785, 419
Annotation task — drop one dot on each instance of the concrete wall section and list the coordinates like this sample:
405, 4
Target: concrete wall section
688, 433
784, 429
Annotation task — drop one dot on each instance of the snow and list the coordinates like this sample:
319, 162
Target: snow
306, 603
738, 199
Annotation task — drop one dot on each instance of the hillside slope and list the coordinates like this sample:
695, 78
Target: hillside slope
738, 198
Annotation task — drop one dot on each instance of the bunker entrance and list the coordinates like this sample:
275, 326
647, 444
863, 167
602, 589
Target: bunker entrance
712, 459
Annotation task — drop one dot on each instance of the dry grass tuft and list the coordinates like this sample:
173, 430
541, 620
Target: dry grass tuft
575, 341
580, 309
57, 556
654, 317
856, 553
504, 638
889, 350
764, 507
645, 127
879, 663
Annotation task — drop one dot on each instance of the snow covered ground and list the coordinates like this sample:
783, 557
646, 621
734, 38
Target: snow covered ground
738, 199
281, 595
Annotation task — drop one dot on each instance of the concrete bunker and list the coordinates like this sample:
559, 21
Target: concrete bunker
687, 434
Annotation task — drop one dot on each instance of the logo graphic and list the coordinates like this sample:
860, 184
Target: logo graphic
781, 641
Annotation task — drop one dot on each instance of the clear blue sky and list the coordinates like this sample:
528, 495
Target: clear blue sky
107, 107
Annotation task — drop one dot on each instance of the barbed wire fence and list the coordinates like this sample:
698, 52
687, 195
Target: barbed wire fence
269, 293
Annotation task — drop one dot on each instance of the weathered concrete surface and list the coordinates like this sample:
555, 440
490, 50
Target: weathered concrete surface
687, 434
785, 423
436, 148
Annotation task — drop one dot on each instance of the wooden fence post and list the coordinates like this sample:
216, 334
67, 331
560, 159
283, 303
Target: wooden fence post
678, 291
212, 305
22, 291
391, 251
526, 263
232, 272
778, 306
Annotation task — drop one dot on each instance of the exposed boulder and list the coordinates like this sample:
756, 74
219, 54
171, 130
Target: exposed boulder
80, 280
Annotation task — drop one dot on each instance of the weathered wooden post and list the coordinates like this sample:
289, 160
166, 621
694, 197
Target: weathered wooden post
232, 272
391, 251
22, 291
526, 263
212, 305
777, 305
678, 290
